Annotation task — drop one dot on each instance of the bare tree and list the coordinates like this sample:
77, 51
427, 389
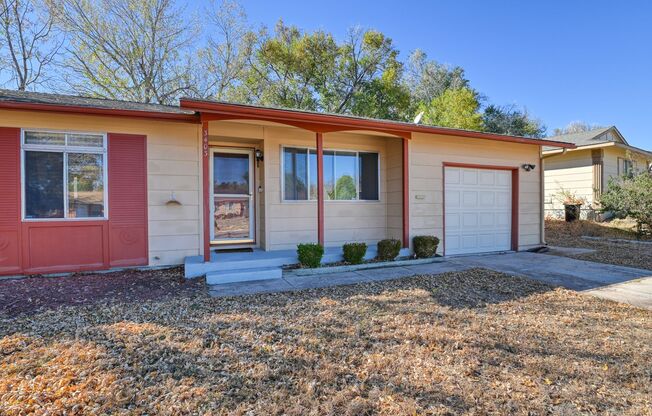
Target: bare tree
138, 50
229, 48
576, 127
29, 42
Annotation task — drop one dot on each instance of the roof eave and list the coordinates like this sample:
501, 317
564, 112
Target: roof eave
572, 149
112, 112
285, 116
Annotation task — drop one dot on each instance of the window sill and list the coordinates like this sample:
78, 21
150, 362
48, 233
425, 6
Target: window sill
64, 219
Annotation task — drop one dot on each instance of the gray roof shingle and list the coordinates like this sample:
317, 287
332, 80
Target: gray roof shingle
72, 100
583, 138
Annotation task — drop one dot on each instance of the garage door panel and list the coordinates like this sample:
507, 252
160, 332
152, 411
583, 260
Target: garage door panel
453, 221
503, 219
452, 199
503, 178
487, 177
504, 200
469, 176
452, 176
470, 199
478, 210
453, 242
469, 241
487, 219
487, 199
470, 219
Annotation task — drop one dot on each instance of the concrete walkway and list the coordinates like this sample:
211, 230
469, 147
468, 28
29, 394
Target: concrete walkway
623, 284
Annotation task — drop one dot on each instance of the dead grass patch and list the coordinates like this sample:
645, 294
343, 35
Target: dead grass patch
473, 342
560, 233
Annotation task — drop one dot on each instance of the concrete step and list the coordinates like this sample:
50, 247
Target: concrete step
220, 263
243, 275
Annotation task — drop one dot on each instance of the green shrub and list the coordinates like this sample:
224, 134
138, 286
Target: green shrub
425, 246
630, 196
310, 254
354, 252
388, 249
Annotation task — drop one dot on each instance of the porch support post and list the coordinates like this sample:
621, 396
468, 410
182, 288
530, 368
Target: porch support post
406, 193
206, 191
320, 188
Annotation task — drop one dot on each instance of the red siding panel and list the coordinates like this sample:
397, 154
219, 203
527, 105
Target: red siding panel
60, 246
127, 169
10, 247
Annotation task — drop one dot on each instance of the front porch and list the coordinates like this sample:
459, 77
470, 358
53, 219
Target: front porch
228, 267
270, 183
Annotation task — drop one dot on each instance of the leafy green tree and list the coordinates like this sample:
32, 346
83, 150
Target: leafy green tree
367, 80
345, 188
457, 108
428, 79
288, 68
509, 120
630, 196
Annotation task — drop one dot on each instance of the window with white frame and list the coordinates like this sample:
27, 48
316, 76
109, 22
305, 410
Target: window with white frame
348, 175
64, 175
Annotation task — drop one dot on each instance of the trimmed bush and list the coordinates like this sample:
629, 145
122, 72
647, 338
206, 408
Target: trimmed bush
425, 246
354, 252
388, 249
310, 254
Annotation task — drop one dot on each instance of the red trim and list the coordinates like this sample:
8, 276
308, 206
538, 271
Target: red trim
476, 166
515, 196
324, 123
187, 118
406, 193
206, 190
515, 208
320, 188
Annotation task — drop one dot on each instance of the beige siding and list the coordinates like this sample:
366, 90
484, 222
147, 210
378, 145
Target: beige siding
173, 166
572, 171
428, 153
613, 157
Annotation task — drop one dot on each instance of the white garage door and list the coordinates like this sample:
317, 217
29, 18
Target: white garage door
478, 210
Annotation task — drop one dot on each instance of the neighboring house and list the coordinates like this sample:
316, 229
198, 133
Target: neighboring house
93, 184
600, 154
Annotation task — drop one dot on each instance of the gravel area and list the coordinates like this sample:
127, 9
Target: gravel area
473, 342
560, 233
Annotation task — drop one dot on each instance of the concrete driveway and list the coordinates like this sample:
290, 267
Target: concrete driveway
619, 283
608, 281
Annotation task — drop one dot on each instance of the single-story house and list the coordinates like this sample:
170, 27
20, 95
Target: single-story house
91, 184
599, 154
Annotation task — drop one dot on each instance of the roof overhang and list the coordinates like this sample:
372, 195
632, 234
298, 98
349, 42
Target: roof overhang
325, 123
598, 146
99, 111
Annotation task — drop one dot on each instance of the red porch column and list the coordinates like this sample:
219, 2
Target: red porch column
206, 191
320, 188
406, 193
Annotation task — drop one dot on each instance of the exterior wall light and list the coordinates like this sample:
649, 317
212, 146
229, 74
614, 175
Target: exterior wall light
259, 156
528, 167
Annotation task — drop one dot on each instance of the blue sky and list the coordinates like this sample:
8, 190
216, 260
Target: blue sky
563, 60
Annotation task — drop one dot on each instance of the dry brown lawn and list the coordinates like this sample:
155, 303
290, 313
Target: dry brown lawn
474, 342
560, 233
